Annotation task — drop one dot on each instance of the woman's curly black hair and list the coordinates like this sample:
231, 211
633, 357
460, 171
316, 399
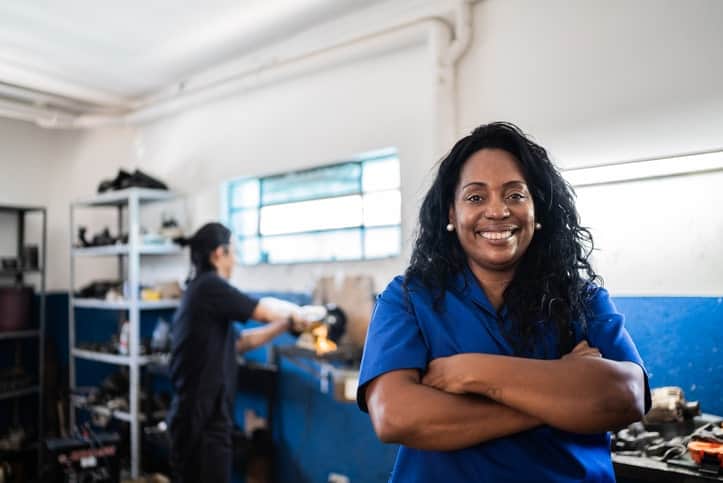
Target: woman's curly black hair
552, 278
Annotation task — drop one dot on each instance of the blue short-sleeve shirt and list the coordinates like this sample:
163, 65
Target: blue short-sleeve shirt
407, 333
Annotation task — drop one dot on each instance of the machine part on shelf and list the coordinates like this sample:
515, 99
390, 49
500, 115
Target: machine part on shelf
161, 339
691, 409
14, 378
113, 295
98, 289
710, 433
104, 238
15, 307
155, 239
150, 295
706, 447
13, 440
99, 419
115, 183
30, 258
85, 457
668, 404
9, 263
123, 340
124, 179
169, 290
635, 438
708, 455
170, 228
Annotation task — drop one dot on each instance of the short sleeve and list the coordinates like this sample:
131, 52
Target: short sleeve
394, 340
229, 302
606, 331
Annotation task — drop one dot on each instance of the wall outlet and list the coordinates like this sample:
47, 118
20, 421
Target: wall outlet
337, 478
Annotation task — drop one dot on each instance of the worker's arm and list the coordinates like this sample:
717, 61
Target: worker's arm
583, 393
270, 309
407, 412
258, 336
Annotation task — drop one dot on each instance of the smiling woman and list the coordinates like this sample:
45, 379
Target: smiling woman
496, 346
493, 215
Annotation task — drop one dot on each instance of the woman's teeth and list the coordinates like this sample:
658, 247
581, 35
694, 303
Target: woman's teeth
496, 235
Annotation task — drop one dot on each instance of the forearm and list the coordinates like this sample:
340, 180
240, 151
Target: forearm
253, 338
425, 418
270, 309
584, 395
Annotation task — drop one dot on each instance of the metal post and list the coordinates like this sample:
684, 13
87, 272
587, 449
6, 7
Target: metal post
134, 335
21, 242
41, 338
71, 320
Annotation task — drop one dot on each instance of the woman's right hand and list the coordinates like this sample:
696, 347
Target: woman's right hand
582, 349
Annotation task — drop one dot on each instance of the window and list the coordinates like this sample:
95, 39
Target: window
345, 211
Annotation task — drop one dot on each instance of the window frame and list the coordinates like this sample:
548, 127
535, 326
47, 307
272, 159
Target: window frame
231, 209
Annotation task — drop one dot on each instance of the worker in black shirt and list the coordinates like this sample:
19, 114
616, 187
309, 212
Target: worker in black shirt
203, 356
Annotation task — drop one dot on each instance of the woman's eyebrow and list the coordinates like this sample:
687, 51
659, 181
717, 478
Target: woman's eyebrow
505, 185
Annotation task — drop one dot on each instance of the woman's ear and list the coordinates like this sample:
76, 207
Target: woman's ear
215, 255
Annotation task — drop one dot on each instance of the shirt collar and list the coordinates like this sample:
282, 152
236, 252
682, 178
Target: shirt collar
466, 284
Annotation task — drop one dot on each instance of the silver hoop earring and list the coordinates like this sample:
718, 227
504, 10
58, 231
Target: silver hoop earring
450, 227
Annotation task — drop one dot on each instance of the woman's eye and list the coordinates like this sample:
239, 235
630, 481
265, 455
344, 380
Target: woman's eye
517, 196
474, 198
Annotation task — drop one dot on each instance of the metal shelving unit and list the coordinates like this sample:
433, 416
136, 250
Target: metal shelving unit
129, 261
19, 334
125, 305
116, 359
26, 391
18, 275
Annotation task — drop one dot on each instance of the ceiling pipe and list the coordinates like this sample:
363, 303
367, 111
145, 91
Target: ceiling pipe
448, 40
280, 68
277, 69
447, 55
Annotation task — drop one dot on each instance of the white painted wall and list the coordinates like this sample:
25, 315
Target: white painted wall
28, 155
599, 81
596, 83
602, 82
50, 168
323, 118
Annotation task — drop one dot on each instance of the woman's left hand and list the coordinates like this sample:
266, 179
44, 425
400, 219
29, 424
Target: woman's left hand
447, 373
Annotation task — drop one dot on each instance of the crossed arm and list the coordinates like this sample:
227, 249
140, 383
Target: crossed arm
467, 399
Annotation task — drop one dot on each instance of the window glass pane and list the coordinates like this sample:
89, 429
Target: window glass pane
382, 208
311, 247
345, 211
245, 193
382, 242
328, 181
380, 174
249, 250
245, 223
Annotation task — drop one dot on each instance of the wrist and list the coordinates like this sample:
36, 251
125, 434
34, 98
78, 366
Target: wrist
475, 378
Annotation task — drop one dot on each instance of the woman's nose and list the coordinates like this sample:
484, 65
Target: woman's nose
496, 209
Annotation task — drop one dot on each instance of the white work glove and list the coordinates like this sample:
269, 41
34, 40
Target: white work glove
280, 309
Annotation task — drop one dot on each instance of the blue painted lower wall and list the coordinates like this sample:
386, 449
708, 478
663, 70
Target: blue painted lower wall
681, 342
679, 338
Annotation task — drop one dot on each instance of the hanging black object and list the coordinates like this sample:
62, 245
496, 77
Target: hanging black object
136, 179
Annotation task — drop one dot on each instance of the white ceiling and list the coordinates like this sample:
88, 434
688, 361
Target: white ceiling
110, 52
